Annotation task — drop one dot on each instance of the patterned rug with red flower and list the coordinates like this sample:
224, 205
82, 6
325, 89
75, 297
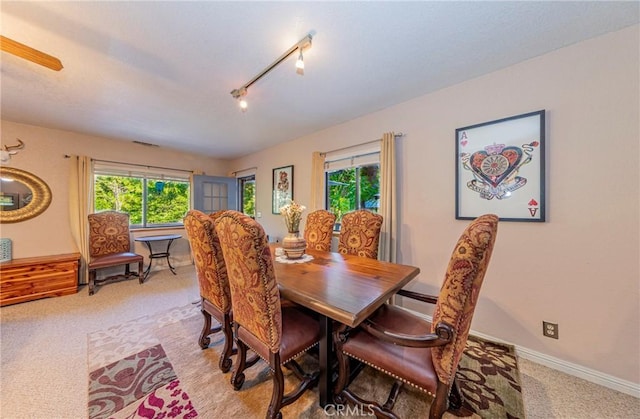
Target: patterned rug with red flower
153, 367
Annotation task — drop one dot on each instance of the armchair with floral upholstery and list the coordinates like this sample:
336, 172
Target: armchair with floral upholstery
412, 350
211, 271
275, 333
109, 246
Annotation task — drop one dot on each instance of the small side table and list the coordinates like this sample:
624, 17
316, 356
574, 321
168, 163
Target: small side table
169, 238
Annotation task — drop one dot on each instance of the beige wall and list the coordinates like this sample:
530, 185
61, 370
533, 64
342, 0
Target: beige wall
43, 155
580, 268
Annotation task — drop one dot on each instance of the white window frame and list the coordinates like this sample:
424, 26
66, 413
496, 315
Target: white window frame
105, 168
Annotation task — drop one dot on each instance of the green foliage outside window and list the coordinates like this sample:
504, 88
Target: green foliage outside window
166, 201
345, 194
249, 198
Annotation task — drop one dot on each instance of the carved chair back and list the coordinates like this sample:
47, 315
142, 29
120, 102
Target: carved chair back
460, 289
109, 233
209, 261
254, 291
360, 234
318, 230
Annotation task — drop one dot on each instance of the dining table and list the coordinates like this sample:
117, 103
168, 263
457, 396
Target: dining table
339, 288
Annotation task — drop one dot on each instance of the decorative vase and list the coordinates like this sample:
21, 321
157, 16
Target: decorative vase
293, 245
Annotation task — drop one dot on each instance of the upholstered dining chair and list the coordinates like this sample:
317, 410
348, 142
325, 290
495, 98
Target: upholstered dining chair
211, 271
276, 334
360, 234
412, 350
318, 230
109, 246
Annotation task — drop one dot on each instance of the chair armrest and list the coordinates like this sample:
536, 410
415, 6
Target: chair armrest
443, 335
417, 296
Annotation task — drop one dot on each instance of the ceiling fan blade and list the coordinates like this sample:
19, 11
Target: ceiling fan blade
28, 53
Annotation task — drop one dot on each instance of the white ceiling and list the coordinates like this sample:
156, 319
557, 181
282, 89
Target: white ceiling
162, 72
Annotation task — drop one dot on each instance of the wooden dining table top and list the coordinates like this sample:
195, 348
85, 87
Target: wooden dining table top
345, 288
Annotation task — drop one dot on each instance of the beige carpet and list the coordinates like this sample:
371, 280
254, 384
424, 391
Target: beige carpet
43, 345
203, 387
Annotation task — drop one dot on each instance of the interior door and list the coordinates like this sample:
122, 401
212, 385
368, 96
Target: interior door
213, 193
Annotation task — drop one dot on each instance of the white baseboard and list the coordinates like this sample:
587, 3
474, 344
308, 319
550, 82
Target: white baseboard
594, 376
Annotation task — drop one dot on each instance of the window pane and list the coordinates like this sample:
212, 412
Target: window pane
370, 187
119, 193
341, 192
248, 195
353, 188
167, 201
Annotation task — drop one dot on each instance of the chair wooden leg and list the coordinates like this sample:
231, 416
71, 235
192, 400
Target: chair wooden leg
278, 388
225, 357
140, 270
439, 404
92, 281
393, 396
204, 340
456, 399
237, 378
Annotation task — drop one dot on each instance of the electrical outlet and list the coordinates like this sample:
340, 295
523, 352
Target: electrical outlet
550, 330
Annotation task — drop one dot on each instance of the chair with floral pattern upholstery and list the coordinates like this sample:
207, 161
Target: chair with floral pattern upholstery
109, 246
276, 334
360, 234
318, 230
412, 350
212, 280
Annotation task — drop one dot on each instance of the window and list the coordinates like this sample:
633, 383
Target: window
247, 187
352, 182
151, 197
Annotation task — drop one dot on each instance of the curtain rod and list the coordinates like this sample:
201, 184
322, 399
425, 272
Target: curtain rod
248, 168
324, 153
66, 156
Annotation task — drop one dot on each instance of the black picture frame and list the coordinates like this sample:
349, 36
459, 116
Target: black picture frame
500, 168
282, 189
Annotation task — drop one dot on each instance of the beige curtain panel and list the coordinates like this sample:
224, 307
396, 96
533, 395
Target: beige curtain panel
80, 206
317, 181
387, 250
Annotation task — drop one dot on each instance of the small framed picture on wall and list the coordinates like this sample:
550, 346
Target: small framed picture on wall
500, 168
282, 187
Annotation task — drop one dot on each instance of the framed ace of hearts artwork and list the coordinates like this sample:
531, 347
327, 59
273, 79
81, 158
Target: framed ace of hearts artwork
500, 168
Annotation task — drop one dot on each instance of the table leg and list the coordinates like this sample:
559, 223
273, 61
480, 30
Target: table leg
325, 387
146, 272
168, 260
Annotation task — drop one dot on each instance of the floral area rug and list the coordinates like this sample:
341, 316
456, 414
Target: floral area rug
489, 379
154, 367
141, 385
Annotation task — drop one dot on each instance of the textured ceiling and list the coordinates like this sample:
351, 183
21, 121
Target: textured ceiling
161, 72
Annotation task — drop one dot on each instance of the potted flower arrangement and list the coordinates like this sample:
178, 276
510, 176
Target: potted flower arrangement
293, 245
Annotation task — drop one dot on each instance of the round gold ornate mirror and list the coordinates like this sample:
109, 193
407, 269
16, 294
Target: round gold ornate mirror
23, 195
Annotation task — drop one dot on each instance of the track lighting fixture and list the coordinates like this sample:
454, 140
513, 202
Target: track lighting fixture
241, 92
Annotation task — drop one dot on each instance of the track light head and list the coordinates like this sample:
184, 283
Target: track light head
239, 95
300, 64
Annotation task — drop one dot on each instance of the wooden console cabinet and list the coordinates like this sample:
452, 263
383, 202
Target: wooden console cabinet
29, 279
